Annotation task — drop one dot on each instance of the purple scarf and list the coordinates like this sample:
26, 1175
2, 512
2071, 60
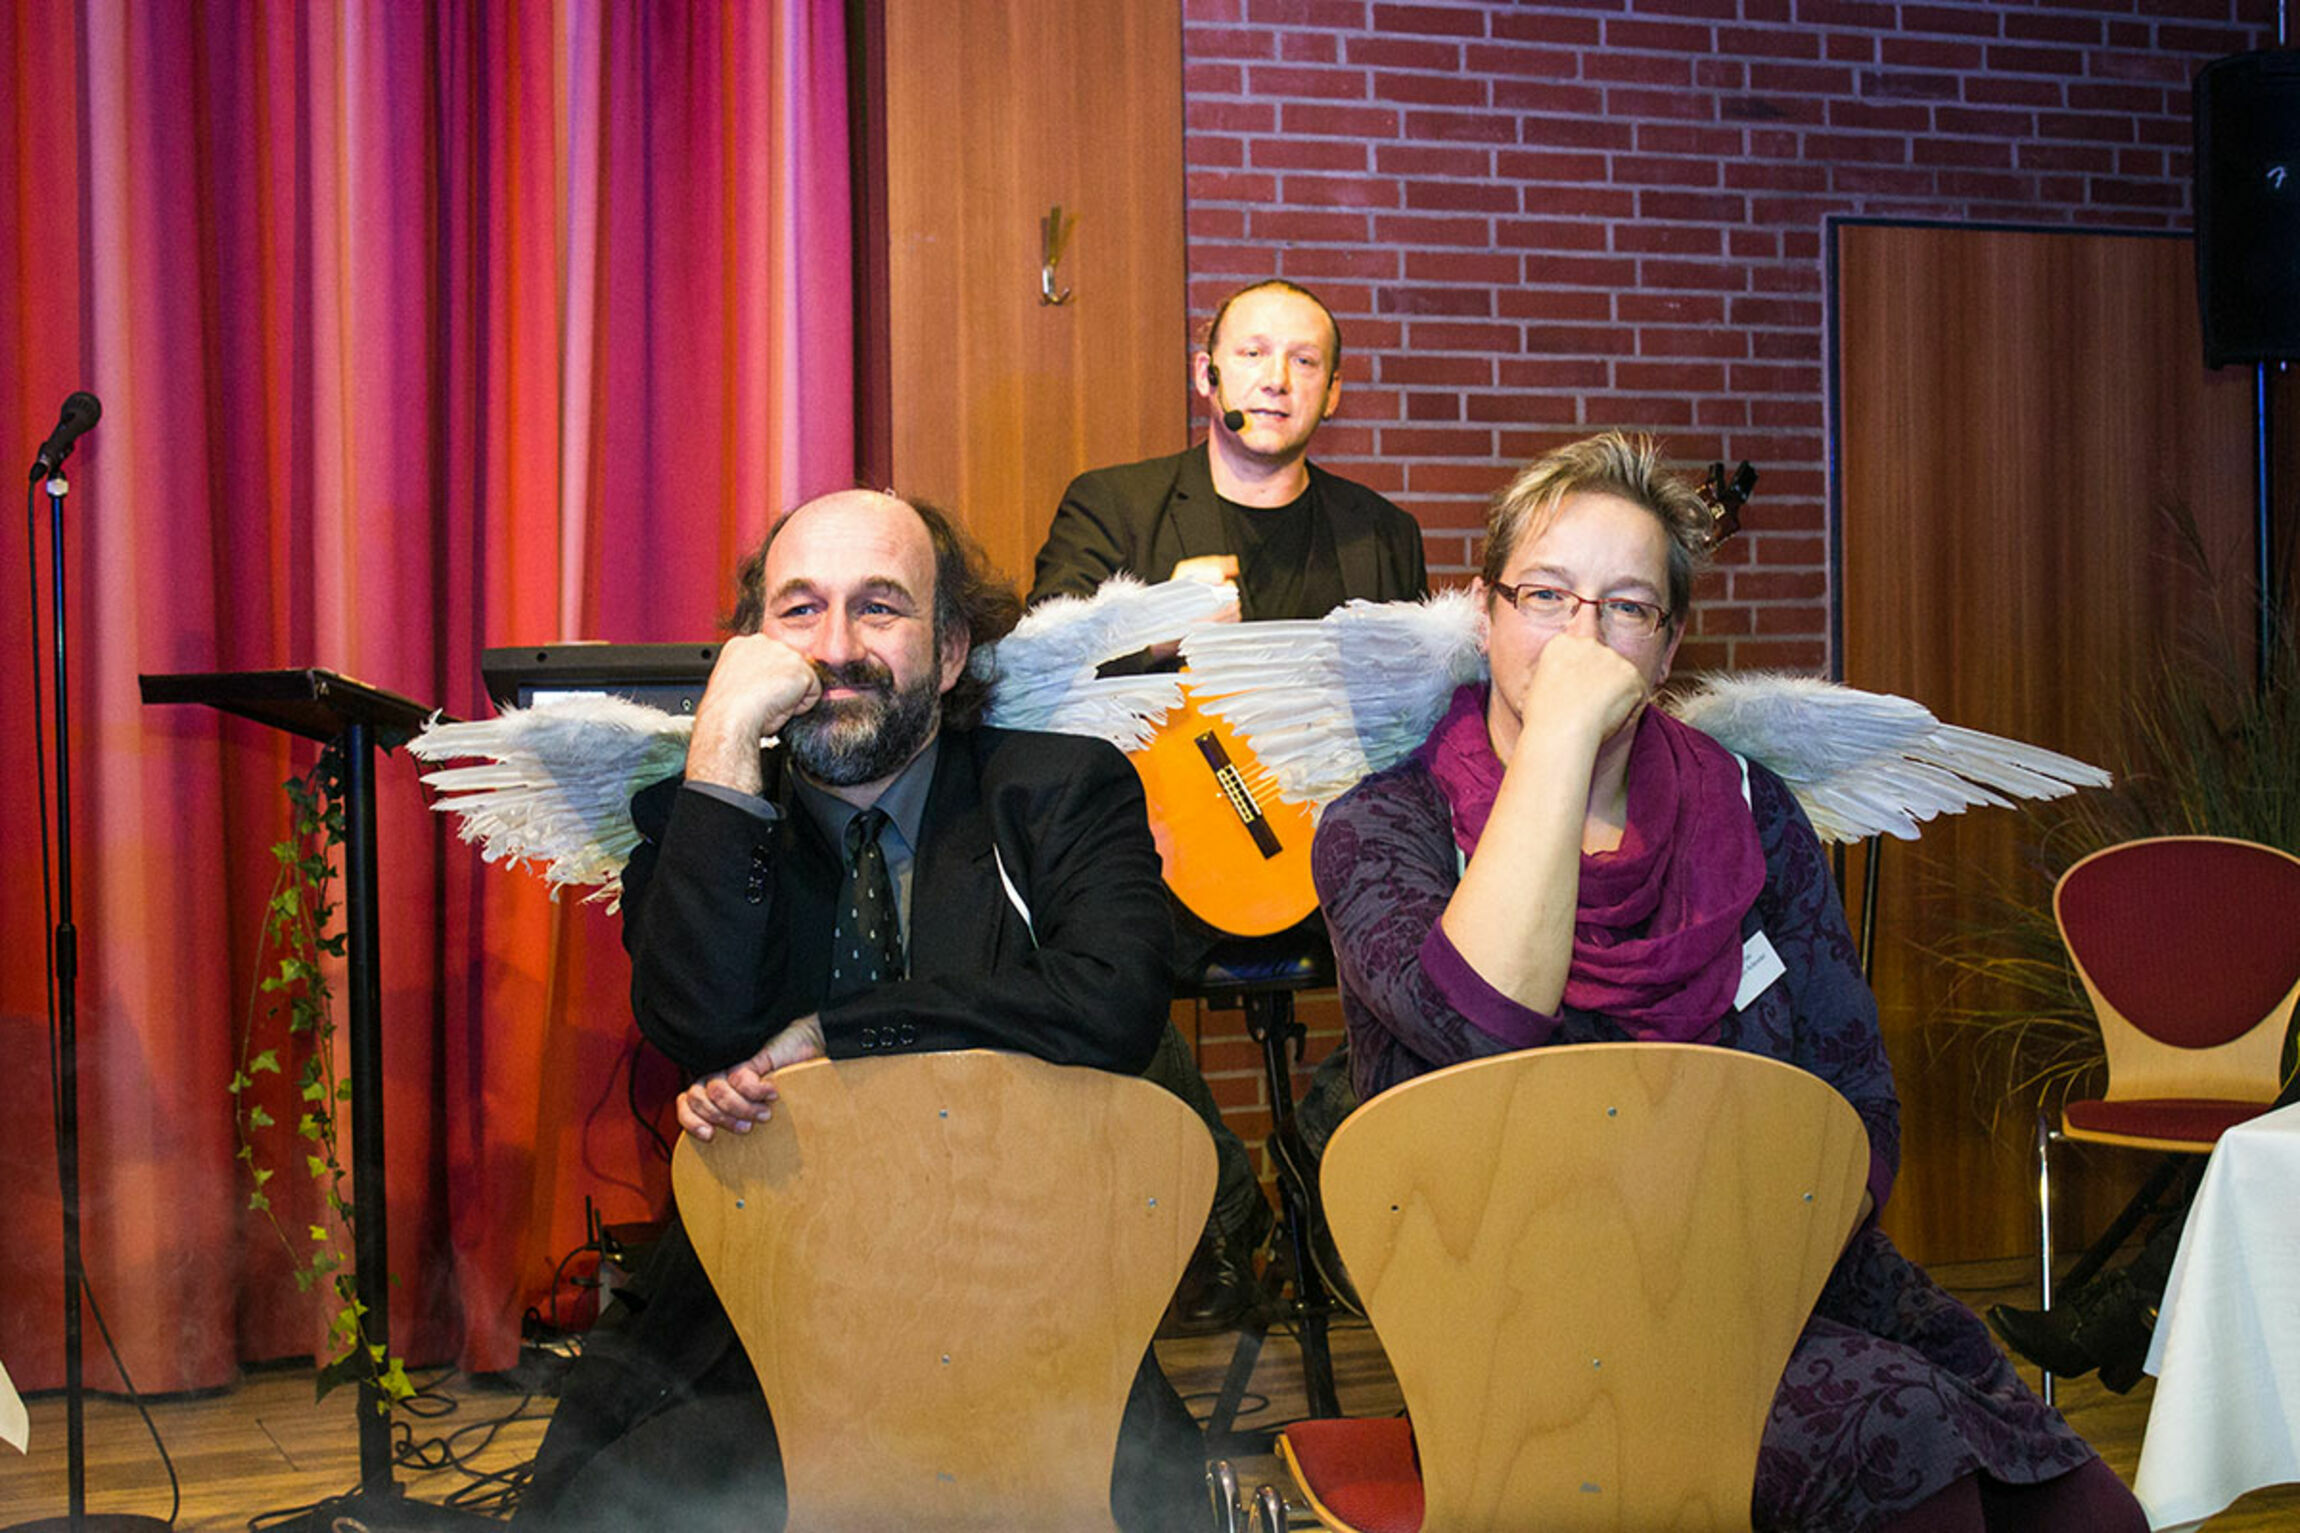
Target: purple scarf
1657, 936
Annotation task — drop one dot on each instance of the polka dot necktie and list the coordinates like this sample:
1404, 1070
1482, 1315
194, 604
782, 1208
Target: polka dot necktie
866, 944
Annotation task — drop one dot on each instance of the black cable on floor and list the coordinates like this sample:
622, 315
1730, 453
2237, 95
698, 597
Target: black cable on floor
494, 1492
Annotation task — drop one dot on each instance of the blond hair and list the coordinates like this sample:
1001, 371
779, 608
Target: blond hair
1609, 463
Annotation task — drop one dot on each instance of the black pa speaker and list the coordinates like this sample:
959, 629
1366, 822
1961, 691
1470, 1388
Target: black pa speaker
2248, 207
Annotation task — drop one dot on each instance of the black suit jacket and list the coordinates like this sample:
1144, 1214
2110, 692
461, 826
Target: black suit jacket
1145, 518
728, 918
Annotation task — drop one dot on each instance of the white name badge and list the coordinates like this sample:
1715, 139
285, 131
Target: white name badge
1760, 966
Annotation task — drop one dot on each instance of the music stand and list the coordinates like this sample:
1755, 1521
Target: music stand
356, 718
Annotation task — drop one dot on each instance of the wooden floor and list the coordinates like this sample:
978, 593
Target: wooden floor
264, 1448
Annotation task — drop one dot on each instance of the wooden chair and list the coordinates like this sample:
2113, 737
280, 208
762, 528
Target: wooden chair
1588, 1265
946, 1269
2189, 949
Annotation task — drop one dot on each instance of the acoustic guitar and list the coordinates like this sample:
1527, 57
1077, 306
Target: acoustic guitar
1236, 854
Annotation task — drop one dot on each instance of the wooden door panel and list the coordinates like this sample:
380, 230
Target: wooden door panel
994, 112
2014, 410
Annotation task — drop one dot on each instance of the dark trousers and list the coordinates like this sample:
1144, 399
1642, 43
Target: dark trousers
662, 1423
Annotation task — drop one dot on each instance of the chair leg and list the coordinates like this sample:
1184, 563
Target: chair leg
2149, 1200
1270, 1511
1221, 1433
1270, 1022
1222, 1491
1312, 1308
2044, 1139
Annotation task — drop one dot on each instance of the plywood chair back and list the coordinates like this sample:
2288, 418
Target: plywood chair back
946, 1269
1588, 1265
2189, 949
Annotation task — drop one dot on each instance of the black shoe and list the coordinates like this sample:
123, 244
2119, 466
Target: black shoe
2107, 1324
2116, 1328
2046, 1337
1217, 1289
2121, 1373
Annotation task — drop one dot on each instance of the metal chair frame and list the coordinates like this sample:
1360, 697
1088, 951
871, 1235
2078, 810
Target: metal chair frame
2152, 1064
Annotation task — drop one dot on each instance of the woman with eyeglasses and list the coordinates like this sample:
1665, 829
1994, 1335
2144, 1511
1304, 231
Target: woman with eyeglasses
1560, 862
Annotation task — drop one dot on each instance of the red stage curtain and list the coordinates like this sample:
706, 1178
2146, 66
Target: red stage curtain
418, 328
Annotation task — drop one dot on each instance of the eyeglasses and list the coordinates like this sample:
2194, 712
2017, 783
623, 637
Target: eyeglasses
1618, 617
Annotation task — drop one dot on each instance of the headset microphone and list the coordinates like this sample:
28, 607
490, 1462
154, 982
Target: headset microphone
1234, 419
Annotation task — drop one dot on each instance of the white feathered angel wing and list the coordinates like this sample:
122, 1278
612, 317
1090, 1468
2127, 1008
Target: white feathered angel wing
1867, 763
1043, 673
1323, 702
557, 782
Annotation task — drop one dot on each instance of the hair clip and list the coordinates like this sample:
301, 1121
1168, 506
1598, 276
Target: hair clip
1725, 498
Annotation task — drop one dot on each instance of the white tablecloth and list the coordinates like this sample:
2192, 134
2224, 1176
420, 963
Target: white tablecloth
2226, 1355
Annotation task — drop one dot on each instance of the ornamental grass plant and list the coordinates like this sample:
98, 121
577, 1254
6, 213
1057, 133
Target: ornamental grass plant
2210, 745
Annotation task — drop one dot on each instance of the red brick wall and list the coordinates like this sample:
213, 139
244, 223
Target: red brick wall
1539, 220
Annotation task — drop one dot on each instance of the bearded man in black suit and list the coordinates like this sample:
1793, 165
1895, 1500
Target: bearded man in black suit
1029, 915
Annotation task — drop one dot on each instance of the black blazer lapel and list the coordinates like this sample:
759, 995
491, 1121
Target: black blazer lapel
813, 872
1195, 512
957, 909
1355, 542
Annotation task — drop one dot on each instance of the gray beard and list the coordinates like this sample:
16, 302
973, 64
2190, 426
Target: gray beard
862, 739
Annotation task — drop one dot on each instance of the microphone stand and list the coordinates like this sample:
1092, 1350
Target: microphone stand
64, 958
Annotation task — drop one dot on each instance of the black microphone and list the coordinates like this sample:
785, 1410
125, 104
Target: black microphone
1234, 419
80, 414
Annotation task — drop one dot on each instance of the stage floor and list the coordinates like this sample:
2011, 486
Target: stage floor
263, 1447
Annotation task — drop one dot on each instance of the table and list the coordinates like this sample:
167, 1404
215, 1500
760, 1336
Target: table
2226, 1354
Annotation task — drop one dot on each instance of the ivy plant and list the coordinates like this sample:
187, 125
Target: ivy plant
291, 1024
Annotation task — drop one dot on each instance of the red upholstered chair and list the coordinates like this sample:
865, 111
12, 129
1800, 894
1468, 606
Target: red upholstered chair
2189, 948
1588, 1265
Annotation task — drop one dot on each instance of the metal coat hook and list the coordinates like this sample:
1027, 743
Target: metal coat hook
1053, 236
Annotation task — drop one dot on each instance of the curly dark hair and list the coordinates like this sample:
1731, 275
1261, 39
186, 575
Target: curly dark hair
970, 598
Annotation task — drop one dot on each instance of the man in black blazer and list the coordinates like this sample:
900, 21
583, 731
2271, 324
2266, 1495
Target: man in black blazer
1030, 916
1247, 505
